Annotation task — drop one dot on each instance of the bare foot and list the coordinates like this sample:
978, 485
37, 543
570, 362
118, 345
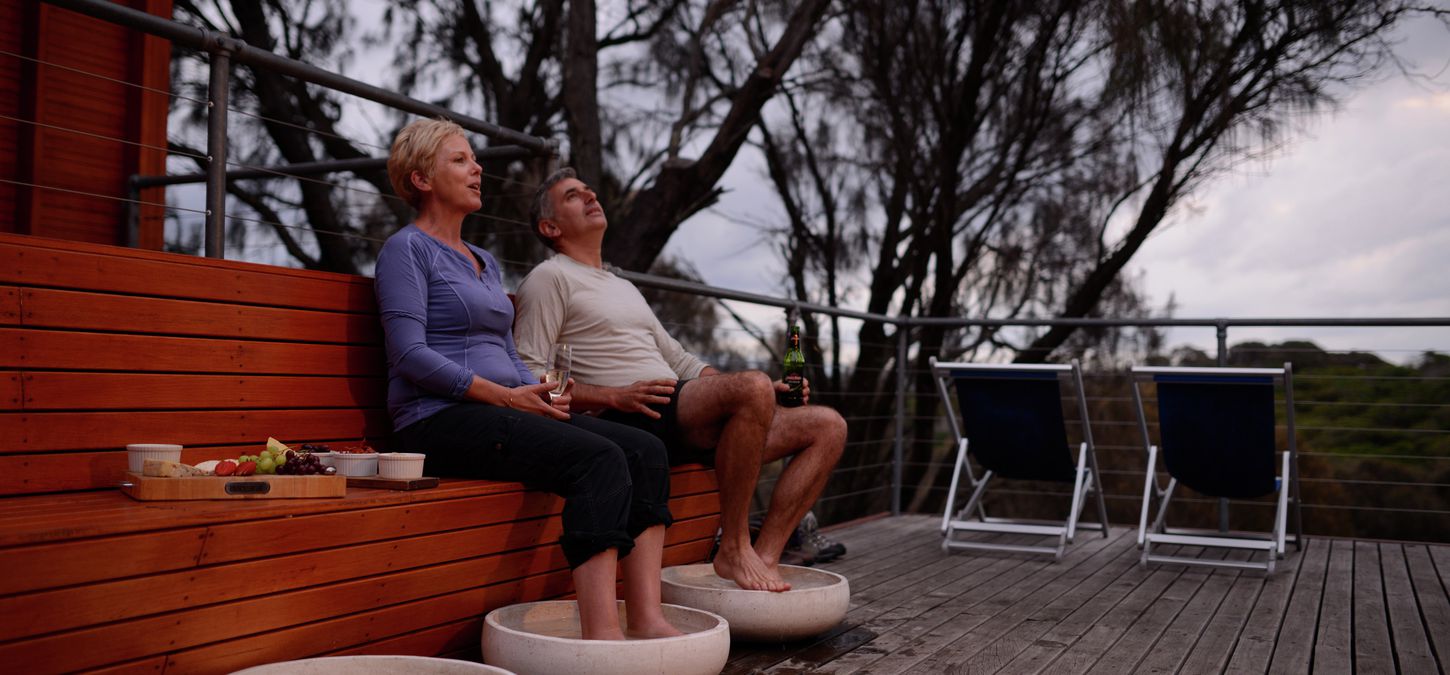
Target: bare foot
615, 634
655, 629
748, 571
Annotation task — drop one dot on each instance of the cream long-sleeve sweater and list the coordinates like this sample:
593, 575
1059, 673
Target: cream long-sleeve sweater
615, 336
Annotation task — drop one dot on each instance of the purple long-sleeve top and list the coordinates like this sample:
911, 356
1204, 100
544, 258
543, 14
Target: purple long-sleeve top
442, 324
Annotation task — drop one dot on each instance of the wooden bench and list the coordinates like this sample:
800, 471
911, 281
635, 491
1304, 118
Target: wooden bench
101, 346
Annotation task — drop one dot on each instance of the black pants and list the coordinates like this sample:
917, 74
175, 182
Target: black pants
615, 480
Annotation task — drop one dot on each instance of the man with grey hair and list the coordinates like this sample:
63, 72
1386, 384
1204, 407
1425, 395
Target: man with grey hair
627, 369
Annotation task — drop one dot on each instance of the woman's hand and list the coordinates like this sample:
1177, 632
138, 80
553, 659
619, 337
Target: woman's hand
534, 399
562, 401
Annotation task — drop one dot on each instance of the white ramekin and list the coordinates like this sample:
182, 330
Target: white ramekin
355, 463
138, 453
400, 464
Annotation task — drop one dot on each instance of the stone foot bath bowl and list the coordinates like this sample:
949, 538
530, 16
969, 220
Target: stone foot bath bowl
816, 602
374, 665
543, 637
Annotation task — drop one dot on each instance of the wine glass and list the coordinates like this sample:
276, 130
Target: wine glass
557, 372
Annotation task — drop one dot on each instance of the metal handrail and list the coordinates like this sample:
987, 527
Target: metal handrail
141, 182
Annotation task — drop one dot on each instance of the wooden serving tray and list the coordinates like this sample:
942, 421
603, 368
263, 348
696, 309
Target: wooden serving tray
392, 483
150, 488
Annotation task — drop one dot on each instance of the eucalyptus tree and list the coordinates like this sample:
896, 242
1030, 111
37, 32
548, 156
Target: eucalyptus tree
1007, 160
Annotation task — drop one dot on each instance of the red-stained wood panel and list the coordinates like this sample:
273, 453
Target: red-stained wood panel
72, 513
149, 109
358, 630
78, 606
129, 640
75, 562
67, 100
448, 638
34, 349
41, 261
31, 432
74, 543
244, 541
10, 391
9, 306
46, 308
141, 391
12, 23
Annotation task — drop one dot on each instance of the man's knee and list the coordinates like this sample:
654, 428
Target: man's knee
833, 432
825, 430
755, 388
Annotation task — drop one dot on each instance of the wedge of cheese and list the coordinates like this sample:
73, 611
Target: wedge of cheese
162, 468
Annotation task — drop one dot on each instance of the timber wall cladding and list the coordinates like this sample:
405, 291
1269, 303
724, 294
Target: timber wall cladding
101, 346
76, 132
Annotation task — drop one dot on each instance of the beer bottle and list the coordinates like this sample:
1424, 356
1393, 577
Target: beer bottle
794, 371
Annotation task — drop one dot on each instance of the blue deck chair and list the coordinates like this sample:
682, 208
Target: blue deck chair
1217, 436
1011, 422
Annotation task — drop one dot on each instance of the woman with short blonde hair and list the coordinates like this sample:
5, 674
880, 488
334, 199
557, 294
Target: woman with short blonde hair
458, 392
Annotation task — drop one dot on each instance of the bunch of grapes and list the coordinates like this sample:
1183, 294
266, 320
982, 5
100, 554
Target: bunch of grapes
304, 464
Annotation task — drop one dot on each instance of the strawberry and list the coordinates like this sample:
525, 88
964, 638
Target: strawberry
246, 468
225, 467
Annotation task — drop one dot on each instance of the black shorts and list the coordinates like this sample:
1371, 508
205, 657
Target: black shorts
667, 429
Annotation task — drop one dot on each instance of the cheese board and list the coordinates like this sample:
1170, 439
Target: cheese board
150, 488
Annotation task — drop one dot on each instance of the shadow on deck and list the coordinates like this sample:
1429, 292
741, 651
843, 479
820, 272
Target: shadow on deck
1338, 606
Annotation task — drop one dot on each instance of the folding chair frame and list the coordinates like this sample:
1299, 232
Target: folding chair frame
972, 517
1288, 498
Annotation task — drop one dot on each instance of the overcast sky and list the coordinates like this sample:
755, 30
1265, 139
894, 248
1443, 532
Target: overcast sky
1351, 218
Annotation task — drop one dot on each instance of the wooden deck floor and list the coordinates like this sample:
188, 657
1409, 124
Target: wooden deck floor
1339, 606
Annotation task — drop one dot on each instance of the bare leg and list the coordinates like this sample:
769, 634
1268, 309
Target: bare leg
642, 586
733, 414
816, 436
594, 585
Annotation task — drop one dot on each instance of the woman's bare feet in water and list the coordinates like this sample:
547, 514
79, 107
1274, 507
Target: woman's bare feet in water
657, 628
744, 567
615, 634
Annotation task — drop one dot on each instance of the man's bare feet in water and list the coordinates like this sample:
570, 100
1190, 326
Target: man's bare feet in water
747, 570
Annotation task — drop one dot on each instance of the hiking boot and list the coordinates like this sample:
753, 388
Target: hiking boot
822, 548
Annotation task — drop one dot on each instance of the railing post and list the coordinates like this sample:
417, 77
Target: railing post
898, 447
1222, 361
1222, 343
216, 148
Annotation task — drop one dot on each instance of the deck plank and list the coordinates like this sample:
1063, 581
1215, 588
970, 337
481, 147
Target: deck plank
1412, 648
1372, 649
1295, 645
1434, 601
1172, 648
1096, 641
1211, 653
1130, 649
1332, 654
